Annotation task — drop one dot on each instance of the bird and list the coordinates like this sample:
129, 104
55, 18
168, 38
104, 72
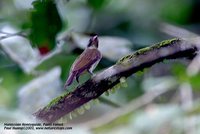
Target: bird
86, 62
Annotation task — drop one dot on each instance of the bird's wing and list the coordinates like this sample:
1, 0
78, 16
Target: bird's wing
86, 59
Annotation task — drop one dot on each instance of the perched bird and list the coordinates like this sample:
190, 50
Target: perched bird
87, 61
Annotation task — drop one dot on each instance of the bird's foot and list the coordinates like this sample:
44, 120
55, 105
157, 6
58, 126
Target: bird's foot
77, 79
90, 72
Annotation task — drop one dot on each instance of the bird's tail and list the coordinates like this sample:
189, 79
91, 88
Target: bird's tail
69, 80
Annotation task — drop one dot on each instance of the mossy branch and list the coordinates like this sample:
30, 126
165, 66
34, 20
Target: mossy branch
110, 77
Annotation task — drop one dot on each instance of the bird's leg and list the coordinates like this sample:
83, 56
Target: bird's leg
77, 78
90, 72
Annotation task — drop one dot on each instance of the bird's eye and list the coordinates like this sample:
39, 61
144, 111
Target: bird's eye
90, 44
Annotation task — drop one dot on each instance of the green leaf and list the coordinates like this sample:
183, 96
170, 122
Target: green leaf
61, 60
179, 71
97, 4
176, 13
195, 82
45, 23
181, 74
12, 79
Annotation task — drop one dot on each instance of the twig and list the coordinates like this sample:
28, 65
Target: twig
106, 79
187, 103
186, 95
194, 66
19, 61
108, 102
8, 35
132, 106
176, 31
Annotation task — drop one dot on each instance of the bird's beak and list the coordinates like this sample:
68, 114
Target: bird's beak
95, 40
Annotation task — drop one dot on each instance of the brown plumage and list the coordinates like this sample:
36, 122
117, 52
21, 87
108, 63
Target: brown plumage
87, 61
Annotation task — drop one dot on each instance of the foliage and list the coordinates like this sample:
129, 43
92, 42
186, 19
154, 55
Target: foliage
182, 76
97, 4
40, 39
45, 24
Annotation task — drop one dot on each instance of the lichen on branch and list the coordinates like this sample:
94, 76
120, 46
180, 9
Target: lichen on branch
112, 76
146, 49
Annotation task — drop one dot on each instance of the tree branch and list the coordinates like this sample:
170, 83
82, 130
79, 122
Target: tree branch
8, 35
135, 104
110, 77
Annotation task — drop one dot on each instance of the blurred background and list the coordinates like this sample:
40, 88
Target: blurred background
40, 39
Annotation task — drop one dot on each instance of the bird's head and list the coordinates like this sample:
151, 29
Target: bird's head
93, 42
